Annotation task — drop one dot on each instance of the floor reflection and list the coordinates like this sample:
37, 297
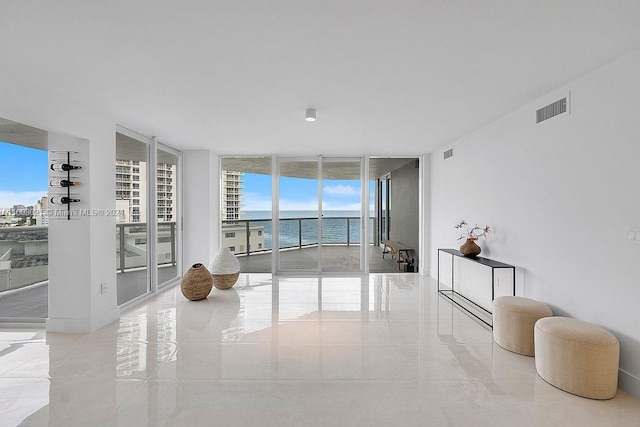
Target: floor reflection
282, 350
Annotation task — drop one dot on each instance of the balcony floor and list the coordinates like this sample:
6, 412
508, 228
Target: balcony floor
336, 258
31, 302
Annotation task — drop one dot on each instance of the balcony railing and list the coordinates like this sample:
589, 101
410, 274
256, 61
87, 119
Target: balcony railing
131, 245
24, 256
24, 251
294, 233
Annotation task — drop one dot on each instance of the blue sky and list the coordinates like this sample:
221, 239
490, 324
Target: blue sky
301, 194
23, 175
30, 183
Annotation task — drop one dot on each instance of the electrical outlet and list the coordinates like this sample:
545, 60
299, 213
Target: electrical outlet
633, 235
103, 287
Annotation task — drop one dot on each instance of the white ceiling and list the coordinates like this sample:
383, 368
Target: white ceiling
387, 77
331, 169
27, 136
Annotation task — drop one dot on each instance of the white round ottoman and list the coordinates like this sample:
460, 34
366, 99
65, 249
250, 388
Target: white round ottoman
513, 322
577, 357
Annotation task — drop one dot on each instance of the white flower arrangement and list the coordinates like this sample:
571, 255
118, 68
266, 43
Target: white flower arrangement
472, 233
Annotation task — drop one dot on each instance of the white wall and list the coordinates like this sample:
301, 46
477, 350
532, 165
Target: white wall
76, 304
425, 214
201, 190
560, 196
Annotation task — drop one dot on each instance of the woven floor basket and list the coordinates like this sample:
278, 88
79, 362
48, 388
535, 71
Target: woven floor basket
225, 281
196, 283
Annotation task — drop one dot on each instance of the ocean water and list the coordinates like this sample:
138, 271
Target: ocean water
334, 227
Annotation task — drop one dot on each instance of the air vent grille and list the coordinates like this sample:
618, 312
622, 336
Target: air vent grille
551, 110
448, 154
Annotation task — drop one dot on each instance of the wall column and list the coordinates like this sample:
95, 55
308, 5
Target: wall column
201, 211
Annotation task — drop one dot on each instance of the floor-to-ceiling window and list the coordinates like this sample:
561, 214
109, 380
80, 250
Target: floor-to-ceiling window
342, 225
298, 213
384, 212
246, 211
397, 207
316, 196
167, 241
320, 214
147, 200
24, 246
132, 231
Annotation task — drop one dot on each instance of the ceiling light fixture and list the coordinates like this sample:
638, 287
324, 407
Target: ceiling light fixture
310, 115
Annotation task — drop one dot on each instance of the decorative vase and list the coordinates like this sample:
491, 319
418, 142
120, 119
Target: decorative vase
470, 248
196, 283
225, 269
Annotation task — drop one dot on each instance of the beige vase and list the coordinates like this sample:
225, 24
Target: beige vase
196, 283
470, 249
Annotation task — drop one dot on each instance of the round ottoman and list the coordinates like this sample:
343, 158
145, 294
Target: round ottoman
577, 357
513, 322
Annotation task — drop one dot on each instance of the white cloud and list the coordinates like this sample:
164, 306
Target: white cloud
341, 190
27, 198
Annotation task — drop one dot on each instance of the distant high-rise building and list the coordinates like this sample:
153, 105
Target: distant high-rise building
131, 179
42, 204
166, 192
41, 210
232, 194
234, 235
131, 191
18, 209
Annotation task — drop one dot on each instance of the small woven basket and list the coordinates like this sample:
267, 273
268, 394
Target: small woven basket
225, 281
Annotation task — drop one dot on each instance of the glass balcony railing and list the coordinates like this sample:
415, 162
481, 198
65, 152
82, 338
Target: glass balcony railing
131, 245
24, 251
248, 236
24, 256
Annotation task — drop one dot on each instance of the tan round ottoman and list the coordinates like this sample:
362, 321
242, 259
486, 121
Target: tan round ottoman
513, 322
577, 357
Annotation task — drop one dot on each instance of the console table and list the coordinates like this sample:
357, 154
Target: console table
450, 293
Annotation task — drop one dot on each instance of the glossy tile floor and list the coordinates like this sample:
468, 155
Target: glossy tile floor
375, 350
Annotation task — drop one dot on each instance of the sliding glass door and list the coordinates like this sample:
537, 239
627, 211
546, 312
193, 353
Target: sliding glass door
342, 225
320, 226
132, 229
167, 241
384, 208
246, 211
318, 214
298, 213
147, 200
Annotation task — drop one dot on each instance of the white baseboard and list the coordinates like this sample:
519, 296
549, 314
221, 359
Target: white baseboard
629, 383
74, 326
105, 318
82, 326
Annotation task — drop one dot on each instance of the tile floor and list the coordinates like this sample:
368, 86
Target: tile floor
377, 350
